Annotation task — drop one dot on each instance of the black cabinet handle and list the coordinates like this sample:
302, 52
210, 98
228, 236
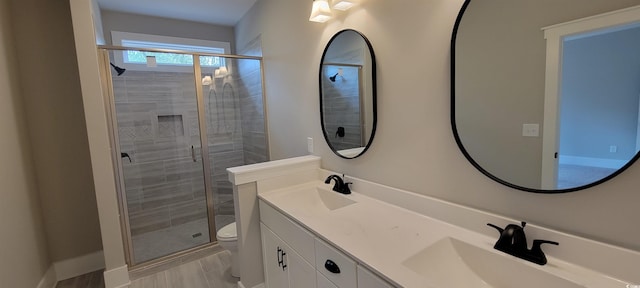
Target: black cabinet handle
281, 255
332, 267
280, 258
284, 265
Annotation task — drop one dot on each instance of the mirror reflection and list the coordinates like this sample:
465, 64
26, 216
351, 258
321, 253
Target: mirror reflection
539, 117
348, 94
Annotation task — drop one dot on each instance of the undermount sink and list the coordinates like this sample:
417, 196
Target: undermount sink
454, 263
317, 198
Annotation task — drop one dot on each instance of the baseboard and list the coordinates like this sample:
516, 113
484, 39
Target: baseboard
48, 279
117, 277
593, 162
74, 267
261, 285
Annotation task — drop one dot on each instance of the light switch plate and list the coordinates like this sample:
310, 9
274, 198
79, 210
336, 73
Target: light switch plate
310, 145
530, 130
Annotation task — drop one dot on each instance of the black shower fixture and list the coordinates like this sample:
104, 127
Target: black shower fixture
339, 73
332, 78
118, 69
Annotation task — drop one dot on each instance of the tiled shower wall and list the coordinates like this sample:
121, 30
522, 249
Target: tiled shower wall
254, 136
157, 125
341, 106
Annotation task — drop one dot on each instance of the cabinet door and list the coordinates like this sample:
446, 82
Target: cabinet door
366, 279
301, 273
323, 282
273, 254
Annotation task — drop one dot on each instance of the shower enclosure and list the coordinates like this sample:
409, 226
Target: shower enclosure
178, 121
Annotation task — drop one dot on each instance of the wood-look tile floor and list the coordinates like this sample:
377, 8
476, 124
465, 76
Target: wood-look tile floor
90, 280
213, 271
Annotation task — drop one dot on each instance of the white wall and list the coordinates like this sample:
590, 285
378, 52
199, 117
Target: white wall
116, 273
414, 148
52, 98
125, 22
97, 19
23, 253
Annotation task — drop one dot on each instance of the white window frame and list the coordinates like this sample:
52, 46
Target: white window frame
119, 38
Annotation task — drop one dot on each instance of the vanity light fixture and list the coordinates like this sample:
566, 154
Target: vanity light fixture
320, 12
342, 5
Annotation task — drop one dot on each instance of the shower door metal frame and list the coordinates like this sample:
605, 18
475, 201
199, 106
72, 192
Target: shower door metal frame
109, 99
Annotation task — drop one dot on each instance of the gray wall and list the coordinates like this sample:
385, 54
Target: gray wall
25, 256
50, 88
600, 90
250, 89
414, 148
134, 23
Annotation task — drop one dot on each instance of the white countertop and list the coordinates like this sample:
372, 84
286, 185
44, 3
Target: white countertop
382, 236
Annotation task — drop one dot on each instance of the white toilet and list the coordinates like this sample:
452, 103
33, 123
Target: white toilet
228, 239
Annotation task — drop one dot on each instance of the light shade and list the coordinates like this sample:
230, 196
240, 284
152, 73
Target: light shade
206, 81
221, 72
320, 12
342, 5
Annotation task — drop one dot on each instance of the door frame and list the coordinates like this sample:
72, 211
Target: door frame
555, 36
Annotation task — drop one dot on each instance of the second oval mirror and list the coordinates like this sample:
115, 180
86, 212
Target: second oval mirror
348, 94
545, 93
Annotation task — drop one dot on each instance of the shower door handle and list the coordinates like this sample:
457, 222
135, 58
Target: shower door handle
193, 154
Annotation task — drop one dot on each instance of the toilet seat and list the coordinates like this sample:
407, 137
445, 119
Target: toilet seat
228, 233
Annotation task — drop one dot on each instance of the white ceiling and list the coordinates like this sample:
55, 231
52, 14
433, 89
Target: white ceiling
221, 12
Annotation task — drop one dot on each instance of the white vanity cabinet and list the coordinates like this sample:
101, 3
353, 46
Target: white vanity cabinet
295, 258
367, 279
283, 266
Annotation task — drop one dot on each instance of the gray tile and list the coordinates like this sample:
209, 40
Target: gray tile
94, 280
217, 269
158, 243
187, 275
149, 220
153, 281
191, 211
166, 194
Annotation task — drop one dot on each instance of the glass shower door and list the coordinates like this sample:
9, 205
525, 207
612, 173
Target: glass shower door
235, 121
158, 137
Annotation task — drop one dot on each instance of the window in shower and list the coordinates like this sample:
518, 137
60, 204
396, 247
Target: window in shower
137, 60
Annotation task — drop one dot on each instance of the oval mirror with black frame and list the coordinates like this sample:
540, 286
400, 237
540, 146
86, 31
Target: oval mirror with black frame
542, 99
348, 94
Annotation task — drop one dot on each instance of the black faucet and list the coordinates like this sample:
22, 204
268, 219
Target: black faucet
340, 186
514, 242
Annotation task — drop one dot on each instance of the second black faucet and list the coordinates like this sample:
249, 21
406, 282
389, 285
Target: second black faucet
340, 186
514, 242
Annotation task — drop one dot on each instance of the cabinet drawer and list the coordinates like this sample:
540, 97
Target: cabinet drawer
366, 279
334, 265
295, 236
